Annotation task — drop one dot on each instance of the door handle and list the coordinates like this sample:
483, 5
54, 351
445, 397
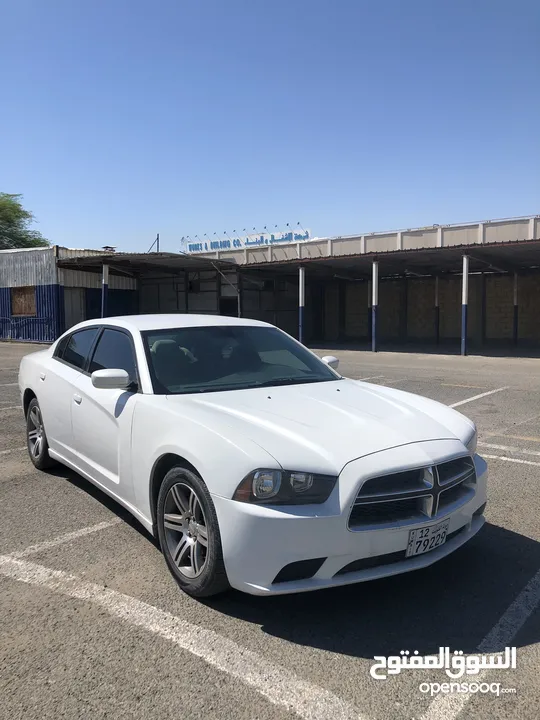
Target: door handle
42, 376
78, 399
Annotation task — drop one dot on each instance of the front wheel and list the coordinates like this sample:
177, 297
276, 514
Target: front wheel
189, 534
36, 439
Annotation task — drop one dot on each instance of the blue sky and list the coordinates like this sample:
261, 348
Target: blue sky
123, 118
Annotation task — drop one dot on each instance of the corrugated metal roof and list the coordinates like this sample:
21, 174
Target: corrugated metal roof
143, 262
64, 252
27, 266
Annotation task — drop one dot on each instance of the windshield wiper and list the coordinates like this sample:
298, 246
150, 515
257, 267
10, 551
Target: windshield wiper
292, 381
214, 388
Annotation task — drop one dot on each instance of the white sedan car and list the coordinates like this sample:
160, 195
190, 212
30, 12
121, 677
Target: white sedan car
252, 460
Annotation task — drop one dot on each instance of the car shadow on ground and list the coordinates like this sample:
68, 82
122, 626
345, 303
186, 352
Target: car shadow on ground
454, 602
64, 473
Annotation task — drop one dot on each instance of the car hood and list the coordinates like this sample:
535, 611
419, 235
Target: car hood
320, 427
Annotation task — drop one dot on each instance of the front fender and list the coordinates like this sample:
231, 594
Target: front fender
221, 461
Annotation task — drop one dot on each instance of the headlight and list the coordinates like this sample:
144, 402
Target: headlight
471, 443
284, 487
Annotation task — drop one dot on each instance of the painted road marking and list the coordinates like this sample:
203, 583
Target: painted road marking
12, 407
504, 458
477, 397
448, 707
529, 438
278, 685
61, 539
503, 431
470, 387
372, 377
7, 384
509, 448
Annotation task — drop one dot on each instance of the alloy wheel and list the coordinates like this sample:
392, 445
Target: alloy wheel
35, 432
186, 530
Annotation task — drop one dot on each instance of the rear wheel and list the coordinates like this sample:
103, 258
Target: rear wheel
189, 534
36, 439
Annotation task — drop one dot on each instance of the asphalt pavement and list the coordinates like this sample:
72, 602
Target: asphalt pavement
93, 625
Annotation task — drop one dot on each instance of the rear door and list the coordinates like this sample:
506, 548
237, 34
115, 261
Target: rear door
102, 418
57, 383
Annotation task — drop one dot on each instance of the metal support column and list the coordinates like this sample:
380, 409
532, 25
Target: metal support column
515, 324
437, 312
369, 318
483, 310
239, 293
464, 303
104, 290
301, 301
374, 304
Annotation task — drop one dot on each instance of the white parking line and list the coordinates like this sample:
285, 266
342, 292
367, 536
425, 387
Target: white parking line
469, 387
505, 458
372, 377
477, 397
6, 384
448, 707
61, 539
509, 448
278, 685
12, 407
527, 438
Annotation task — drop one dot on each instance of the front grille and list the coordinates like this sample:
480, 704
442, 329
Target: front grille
414, 495
397, 483
385, 512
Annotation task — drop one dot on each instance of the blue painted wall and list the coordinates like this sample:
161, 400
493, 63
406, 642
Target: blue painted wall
48, 323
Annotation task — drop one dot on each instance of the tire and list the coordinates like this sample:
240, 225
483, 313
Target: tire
189, 535
36, 439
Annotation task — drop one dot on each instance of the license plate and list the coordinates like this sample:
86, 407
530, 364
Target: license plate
422, 540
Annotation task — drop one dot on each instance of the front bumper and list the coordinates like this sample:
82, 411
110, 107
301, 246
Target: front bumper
259, 541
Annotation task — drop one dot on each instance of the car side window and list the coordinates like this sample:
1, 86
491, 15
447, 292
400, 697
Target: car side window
59, 350
74, 350
114, 349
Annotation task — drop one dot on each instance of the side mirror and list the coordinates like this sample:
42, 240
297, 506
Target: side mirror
115, 379
332, 361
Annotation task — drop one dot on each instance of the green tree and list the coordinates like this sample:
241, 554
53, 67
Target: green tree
15, 225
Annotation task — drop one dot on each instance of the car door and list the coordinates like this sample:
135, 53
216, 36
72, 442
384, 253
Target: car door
102, 418
57, 383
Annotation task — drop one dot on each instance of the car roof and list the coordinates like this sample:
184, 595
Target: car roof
166, 321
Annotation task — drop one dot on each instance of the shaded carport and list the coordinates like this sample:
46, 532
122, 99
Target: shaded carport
186, 279
514, 261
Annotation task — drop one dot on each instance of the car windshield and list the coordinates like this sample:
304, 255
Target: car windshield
218, 358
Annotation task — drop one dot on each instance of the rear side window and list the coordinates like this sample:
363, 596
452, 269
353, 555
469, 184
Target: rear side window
114, 350
75, 350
